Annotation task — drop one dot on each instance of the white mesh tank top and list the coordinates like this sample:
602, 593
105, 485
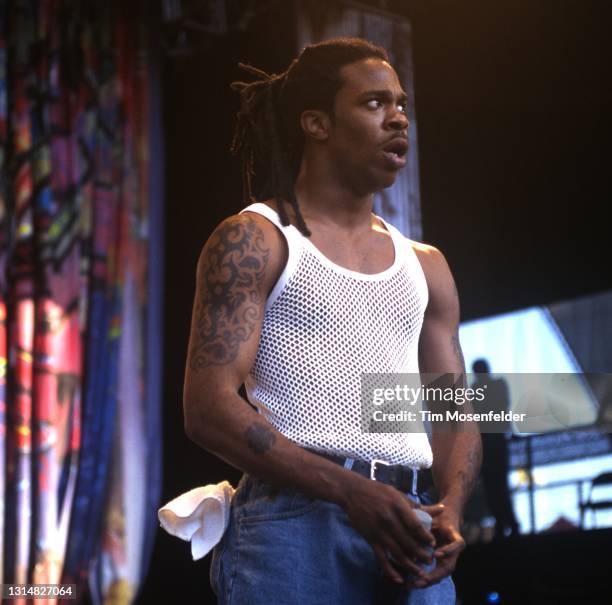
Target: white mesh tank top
323, 326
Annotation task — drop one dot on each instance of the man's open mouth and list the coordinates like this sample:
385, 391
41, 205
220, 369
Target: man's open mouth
398, 147
395, 152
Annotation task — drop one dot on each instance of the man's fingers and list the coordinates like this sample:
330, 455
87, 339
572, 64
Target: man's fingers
408, 533
420, 553
417, 531
446, 561
386, 565
433, 509
400, 559
453, 547
443, 569
412, 543
449, 549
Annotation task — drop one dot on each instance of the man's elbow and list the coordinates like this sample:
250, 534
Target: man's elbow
197, 420
191, 429
194, 431
203, 416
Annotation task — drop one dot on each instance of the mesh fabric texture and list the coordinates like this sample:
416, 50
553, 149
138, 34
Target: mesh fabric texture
324, 326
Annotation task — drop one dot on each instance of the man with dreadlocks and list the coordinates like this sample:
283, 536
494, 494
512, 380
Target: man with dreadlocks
296, 297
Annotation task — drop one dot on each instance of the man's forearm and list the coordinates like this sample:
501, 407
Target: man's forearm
456, 464
457, 448
233, 431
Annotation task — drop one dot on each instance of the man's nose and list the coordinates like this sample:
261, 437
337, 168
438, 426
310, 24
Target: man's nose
398, 120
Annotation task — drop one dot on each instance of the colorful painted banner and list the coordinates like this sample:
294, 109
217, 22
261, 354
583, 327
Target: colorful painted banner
78, 409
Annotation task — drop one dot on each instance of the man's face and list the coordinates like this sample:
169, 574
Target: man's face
368, 137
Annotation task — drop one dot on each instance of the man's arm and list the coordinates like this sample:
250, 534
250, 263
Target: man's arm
237, 269
457, 455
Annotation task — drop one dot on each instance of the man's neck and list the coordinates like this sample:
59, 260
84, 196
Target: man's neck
325, 201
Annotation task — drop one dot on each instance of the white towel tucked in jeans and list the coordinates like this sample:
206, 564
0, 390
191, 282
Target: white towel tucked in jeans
199, 516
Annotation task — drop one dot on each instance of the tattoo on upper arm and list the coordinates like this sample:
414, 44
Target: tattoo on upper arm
260, 438
230, 300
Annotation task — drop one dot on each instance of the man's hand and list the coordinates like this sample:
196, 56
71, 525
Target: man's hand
384, 517
449, 544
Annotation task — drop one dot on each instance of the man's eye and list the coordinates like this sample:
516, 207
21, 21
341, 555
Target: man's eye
403, 107
374, 103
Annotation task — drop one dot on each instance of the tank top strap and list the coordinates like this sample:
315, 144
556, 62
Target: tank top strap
292, 235
404, 248
399, 241
295, 242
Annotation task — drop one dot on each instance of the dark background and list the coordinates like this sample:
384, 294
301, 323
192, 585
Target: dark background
514, 117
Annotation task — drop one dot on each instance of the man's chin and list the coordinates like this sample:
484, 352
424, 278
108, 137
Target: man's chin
388, 179
373, 182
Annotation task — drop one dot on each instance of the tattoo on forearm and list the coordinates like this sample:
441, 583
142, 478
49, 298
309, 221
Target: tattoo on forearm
469, 474
260, 438
230, 302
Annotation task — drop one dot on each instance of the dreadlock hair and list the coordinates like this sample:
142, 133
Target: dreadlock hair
268, 132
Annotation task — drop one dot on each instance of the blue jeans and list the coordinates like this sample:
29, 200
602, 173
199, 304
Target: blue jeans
284, 548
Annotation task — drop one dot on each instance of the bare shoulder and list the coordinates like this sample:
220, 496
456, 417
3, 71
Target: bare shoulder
440, 281
425, 252
245, 244
251, 225
432, 260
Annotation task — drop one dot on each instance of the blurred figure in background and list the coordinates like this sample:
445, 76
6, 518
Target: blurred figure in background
495, 467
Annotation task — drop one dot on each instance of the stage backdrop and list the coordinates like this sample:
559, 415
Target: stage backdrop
78, 297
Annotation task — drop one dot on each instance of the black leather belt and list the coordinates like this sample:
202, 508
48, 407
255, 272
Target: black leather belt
404, 478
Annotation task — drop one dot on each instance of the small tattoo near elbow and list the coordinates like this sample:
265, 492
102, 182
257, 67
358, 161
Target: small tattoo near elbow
260, 438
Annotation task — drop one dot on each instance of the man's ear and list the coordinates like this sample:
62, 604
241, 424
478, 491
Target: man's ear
315, 124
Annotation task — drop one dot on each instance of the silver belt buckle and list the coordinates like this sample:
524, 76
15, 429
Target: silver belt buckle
373, 464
